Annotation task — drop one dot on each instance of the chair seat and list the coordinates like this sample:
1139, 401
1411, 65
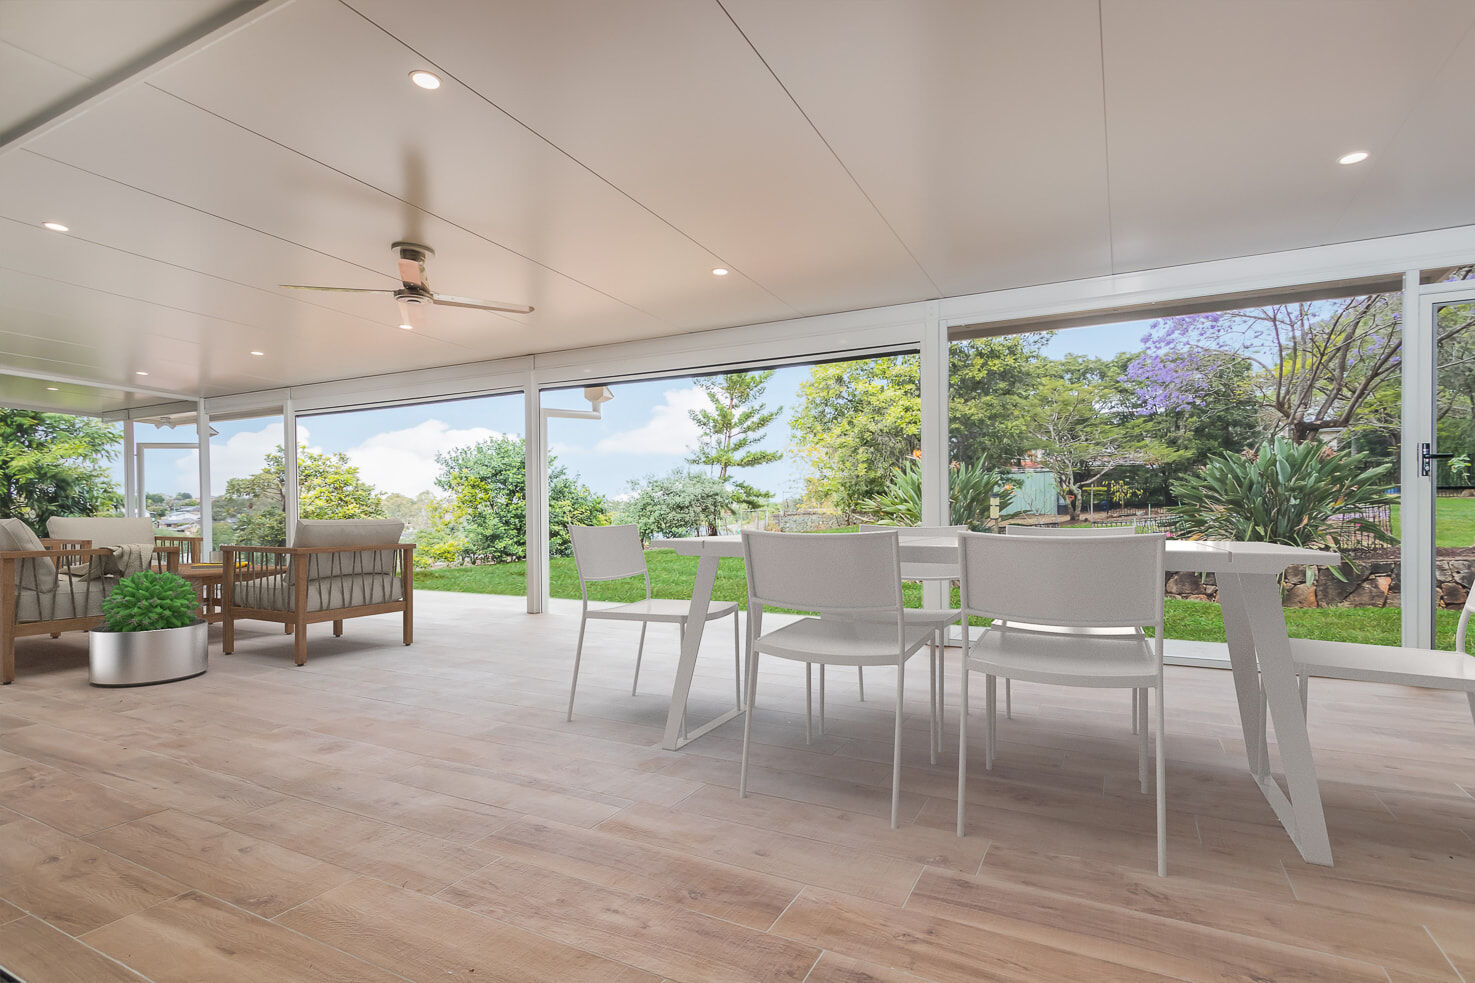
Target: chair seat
660, 609
1066, 658
1072, 630
838, 642
1429, 668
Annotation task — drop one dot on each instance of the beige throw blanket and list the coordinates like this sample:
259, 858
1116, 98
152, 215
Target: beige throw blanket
126, 559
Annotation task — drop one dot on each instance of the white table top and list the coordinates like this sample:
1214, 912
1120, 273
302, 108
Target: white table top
1201, 556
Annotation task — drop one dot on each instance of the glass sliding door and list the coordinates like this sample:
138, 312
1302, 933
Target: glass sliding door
1448, 461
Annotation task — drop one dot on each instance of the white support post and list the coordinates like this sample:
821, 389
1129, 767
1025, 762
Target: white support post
289, 467
936, 509
535, 445
1417, 491
131, 494
202, 431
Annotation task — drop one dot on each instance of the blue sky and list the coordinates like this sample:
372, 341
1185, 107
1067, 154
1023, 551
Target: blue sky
645, 430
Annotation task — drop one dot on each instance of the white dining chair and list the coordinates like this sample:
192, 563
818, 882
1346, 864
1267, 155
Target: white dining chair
1071, 582
1017, 529
939, 620
604, 553
844, 573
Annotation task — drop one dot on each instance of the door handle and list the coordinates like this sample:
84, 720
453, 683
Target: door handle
1427, 457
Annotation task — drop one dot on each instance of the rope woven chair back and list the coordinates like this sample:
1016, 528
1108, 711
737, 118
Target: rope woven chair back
607, 552
824, 572
1070, 581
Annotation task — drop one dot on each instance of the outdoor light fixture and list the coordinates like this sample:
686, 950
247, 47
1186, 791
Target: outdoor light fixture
598, 394
55, 227
719, 271
1356, 157
424, 79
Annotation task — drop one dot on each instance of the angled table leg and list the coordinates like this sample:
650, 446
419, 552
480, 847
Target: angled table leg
691, 642
1255, 627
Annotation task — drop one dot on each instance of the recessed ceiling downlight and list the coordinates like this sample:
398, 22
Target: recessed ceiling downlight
258, 353
407, 327
55, 227
140, 372
52, 389
719, 271
1356, 157
424, 79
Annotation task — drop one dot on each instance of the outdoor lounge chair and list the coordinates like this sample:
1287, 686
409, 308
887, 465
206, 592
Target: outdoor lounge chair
337, 569
54, 585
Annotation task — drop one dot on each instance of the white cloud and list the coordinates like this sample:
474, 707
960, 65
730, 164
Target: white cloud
669, 430
237, 456
404, 460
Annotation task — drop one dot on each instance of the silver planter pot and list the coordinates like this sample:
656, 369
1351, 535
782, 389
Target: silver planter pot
137, 658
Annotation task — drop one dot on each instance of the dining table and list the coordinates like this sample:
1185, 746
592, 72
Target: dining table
1248, 578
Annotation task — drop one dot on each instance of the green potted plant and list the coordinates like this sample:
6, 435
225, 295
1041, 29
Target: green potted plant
151, 633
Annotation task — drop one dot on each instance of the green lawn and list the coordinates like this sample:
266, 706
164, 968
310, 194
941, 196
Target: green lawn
1454, 522
672, 576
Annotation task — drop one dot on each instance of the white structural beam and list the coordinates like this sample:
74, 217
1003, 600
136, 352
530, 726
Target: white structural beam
207, 519
289, 468
76, 380
535, 449
131, 494
936, 504
1416, 551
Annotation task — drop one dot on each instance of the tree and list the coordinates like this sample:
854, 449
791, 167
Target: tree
328, 487
1318, 366
1083, 428
731, 425
677, 504
53, 464
488, 485
858, 421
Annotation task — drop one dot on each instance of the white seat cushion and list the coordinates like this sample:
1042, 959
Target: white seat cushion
659, 609
76, 599
1066, 658
842, 641
1429, 668
323, 594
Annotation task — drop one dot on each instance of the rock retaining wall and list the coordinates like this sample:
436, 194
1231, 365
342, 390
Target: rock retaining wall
1370, 584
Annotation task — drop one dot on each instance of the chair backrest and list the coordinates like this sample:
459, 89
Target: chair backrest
1465, 620
922, 571
35, 574
1069, 581
102, 530
311, 533
607, 552
857, 571
1021, 530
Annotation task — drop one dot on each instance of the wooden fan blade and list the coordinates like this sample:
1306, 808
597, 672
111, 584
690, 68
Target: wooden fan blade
412, 272
339, 290
482, 305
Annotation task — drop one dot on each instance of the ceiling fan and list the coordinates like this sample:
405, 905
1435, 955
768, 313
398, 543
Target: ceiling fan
414, 294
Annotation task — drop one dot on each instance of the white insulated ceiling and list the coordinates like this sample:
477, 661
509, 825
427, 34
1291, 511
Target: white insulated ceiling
598, 159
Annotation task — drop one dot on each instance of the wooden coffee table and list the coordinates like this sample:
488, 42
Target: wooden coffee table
209, 581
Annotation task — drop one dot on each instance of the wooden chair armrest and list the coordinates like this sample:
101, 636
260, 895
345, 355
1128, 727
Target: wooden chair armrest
66, 544
50, 554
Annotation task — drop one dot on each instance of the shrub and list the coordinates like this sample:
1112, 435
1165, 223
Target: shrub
148, 601
681, 503
970, 489
1282, 492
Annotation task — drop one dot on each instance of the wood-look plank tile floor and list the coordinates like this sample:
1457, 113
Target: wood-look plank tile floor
425, 813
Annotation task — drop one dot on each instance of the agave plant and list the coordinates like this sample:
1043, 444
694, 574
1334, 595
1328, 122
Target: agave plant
1282, 492
971, 489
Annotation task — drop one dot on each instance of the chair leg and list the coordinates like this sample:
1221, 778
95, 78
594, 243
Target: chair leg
989, 693
338, 628
737, 663
860, 678
821, 699
227, 634
681, 646
1008, 698
941, 679
901, 677
1470, 696
299, 644
56, 634
1162, 794
578, 654
1305, 691
808, 703
963, 750
639, 653
1135, 694
931, 703
752, 678
7, 653
1139, 724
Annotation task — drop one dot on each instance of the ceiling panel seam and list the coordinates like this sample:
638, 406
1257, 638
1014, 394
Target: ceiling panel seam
192, 270
1105, 136
585, 166
937, 291
419, 208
